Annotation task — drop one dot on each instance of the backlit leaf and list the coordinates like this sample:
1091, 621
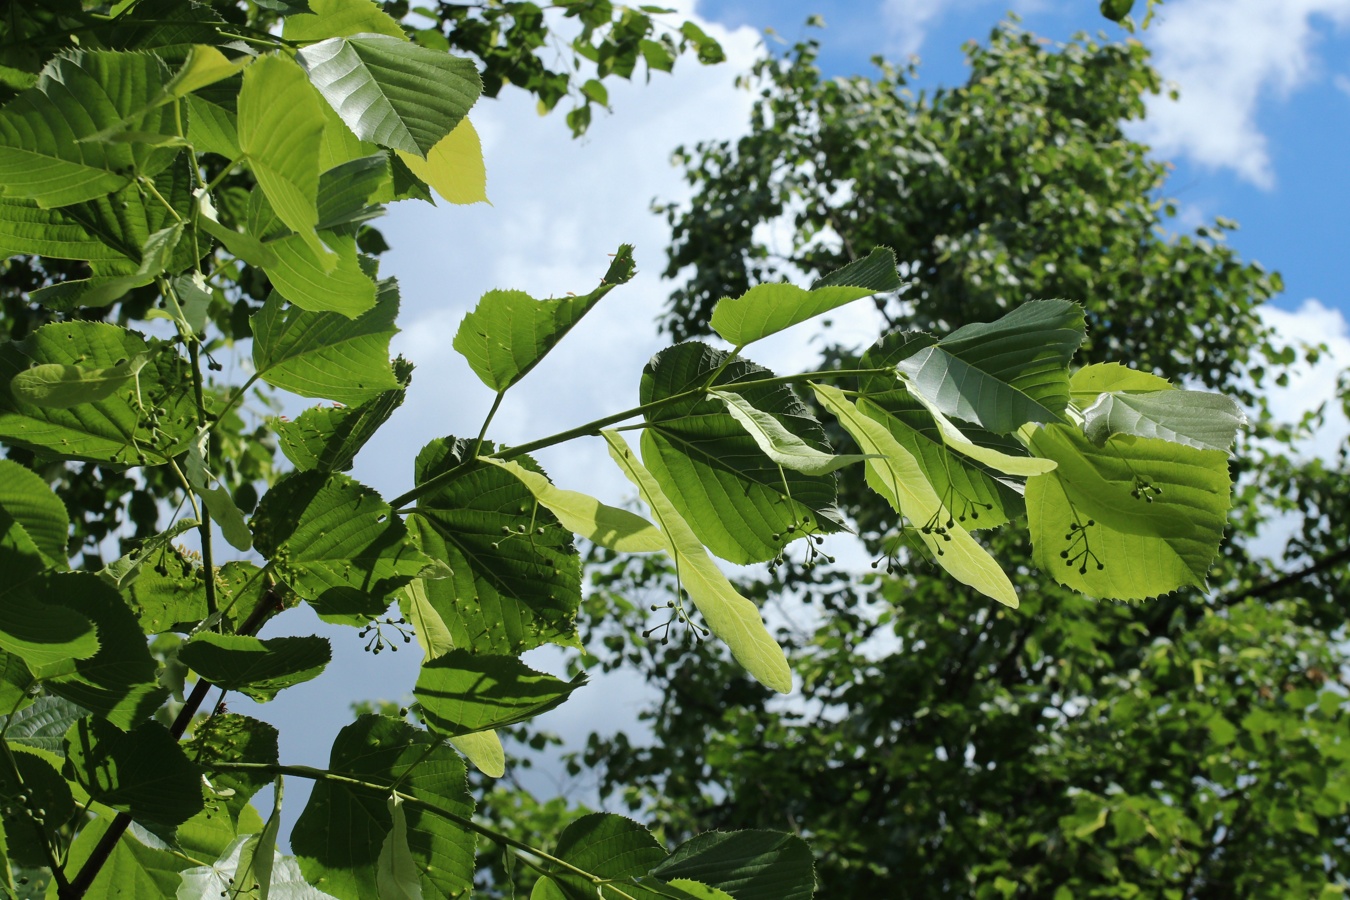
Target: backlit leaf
25, 496
1200, 419
333, 283
484, 750
1089, 382
340, 18
328, 438
508, 332
229, 738
463, 693
396, 874
58, 386
779, 444
454, 167
729, 615
256, 668
608, 846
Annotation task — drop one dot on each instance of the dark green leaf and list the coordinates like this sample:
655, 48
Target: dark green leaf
143, 773
256, 668
462, 692
42, 633
609, 846
328, 438
339, 834
39, 792
28, 499
748, 865
510, 590
43, 724
1116, 10
231, 738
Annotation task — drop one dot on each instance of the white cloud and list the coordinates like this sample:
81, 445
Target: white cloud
1226, 57
1310, 386
909, 20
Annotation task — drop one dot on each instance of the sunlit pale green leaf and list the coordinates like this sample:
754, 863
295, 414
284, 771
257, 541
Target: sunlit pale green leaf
741, 504
516, 580
396, 875
341, 18
433, 635
339, 835
280, 129
608, 526
256, 668
779, 444
142, 772
42, 154
1200, 419
1005, 373
729, 615
325, 354
896, 476
463, 693
334, 283
205, 65
766, 309
1089, 382
217, 500
484, 750
1007, 463
336, 544
508, 332
748, 865
392, 92
454, 167
1132, 519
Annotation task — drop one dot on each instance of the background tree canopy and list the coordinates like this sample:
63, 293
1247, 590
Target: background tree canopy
1190, 746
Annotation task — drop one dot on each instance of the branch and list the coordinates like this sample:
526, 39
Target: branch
1329, 561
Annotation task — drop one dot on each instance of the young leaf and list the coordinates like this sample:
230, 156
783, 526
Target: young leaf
1002, 374
336, 544
392, 92
463, 693
25, 496
433, 635
741, 504
896, 476
1090, 382
204, 66
484, 750
767, 309
1132, 519
508, 332
340, 18
454, 167
396, 874
1200, 419
325, 354
779, 444
729, 615
339, 835
333, 283
280, 129
516, 580
43, 156
748, 865
609, 526
255, 668
143, 773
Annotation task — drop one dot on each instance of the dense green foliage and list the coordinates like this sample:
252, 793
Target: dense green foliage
215, 168
1189, 746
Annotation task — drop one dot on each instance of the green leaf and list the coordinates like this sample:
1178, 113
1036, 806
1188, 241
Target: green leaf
1002, 374
609, 526
739, 502
508, 332
454, 167
250, 861
729, 615
16, 683
327, 438
767, 309
1198, 419
1116, 10
123, 571
204, 66
119, 681
47, 791
143, 773
611, 847
334, 283
41, 633
246, 246
26, 227
396, 875
231, 738
433, 635
336, 544
324, 354
779, 444
58, 386
42, 724
28, 499
1090, 382
43, 154
213, 125
339, 835
219, 504
255, 668
462, 692
280, 130
391, 92
140, 865
748, 865
516, 580
896, 475
347, 192
1132, 519
115, 429
340, 18
484, 750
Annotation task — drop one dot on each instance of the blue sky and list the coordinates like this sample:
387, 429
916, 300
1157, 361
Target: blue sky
1259, 136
